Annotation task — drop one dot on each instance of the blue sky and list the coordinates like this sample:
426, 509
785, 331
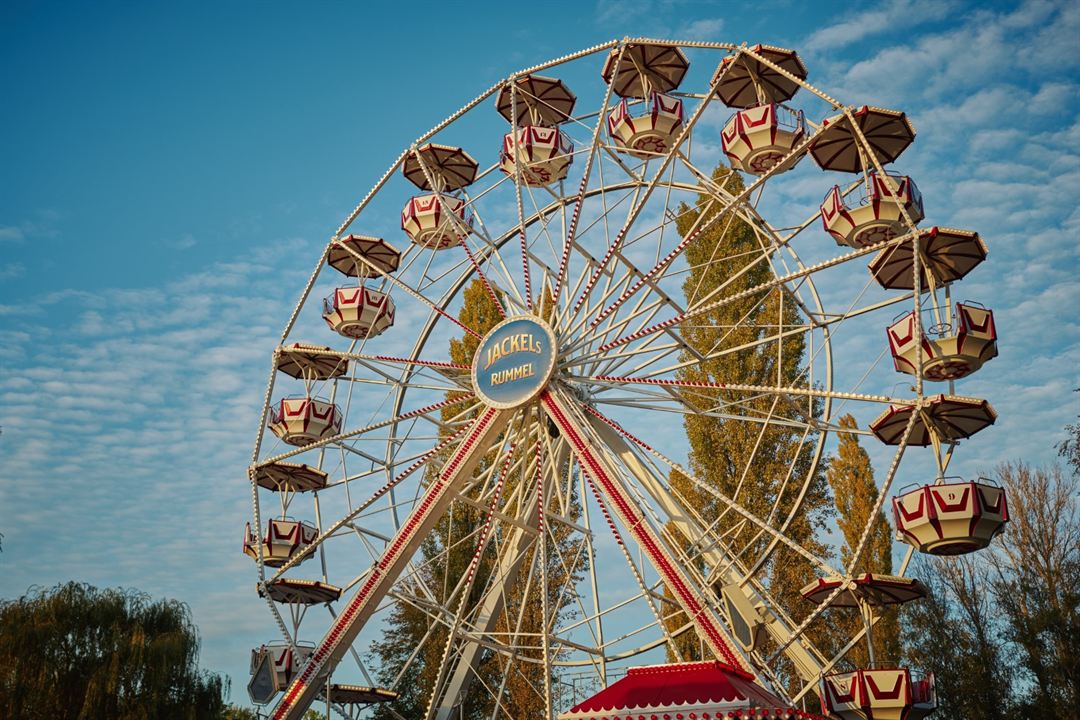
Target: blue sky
170, 174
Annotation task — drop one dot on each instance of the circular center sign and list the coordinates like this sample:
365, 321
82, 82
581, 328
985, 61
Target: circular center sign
514, 362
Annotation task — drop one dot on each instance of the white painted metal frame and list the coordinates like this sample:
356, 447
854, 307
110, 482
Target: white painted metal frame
619, 328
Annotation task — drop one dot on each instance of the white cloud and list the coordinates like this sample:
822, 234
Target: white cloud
11, 233
868, 23
126, 434
10, 271
184, 242
707, 29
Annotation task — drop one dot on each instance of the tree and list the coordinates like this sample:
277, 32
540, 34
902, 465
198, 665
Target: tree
74, 651
1036, 583
851, 478
954, 633
1070, 447
448, 551
1001, 629
748, 461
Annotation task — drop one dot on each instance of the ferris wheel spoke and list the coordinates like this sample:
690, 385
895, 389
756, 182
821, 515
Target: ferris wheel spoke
798, 631
570, 422
564, 317
758, 390
659, 403
745, 209
593, 151
480, 618
666, 261
463, 230
667, 160
518, 184
511, 555
693, 527
648, 353
611, 278
395, 383
529, 250
511, 292
668, 219
466, 584
650, 597
705, 307
588, 333
341, 437
820, 321
757, 417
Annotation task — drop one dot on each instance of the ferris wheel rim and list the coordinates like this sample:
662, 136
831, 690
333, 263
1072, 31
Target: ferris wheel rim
445, 303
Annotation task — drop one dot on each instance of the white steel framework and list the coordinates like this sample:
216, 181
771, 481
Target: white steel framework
544, 545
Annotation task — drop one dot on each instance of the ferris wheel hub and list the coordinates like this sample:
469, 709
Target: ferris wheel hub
514, 362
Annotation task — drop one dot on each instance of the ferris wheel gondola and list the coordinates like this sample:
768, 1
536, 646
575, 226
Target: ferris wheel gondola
645, 73
535, 105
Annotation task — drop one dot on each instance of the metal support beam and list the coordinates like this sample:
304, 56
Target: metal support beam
492, 605
574, 428
799, 653
302, 691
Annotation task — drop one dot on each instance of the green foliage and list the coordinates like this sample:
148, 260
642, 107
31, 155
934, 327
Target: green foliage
758, 465
73, 651
851, 477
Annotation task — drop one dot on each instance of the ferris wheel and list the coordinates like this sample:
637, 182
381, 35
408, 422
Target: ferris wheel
468, 492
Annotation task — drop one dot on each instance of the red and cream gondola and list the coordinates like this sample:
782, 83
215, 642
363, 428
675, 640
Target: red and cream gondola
284, 538
875, 692
874, 213
439, 219
951, 350
763, 131
535, 141
358, 312
303, 420
273, 666
951, 518
647, 121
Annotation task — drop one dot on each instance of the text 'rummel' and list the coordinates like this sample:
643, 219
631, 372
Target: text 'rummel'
518, 343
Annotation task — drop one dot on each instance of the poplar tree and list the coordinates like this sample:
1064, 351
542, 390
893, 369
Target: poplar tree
447, 552
851, 477
760, 465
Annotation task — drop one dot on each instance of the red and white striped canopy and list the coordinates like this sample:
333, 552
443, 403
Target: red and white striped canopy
701, 690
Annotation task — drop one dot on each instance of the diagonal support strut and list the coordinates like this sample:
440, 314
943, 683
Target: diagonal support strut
570, 424
303, 689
